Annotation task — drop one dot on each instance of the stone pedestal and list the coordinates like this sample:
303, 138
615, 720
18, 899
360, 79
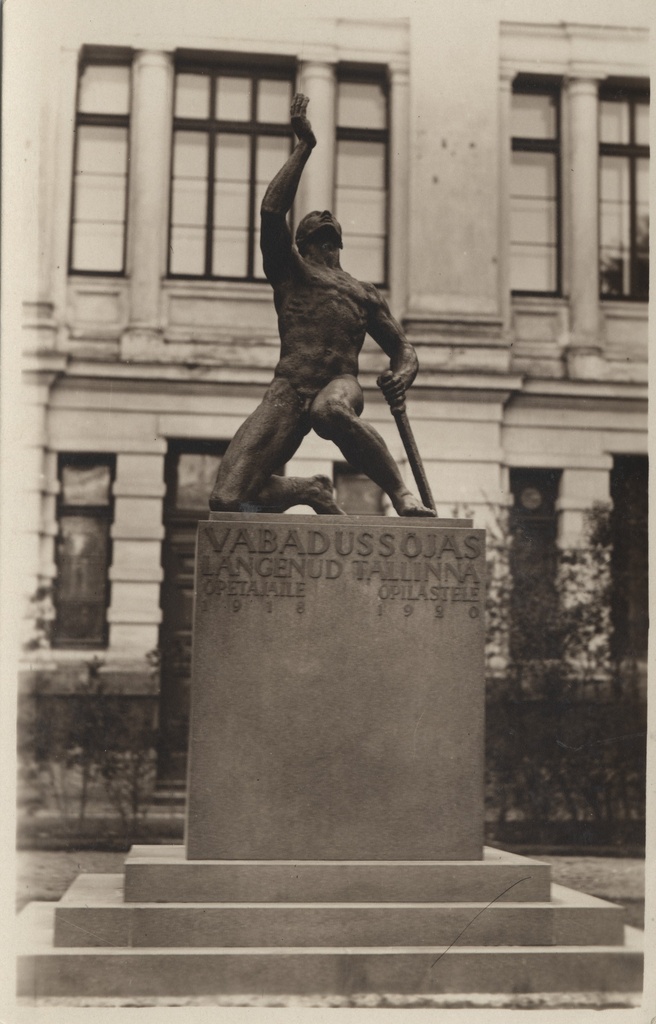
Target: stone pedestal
337, 697
335, 813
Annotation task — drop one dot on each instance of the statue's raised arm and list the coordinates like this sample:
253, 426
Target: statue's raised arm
275, 237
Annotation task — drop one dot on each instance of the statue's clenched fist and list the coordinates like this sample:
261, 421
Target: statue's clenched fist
300, 124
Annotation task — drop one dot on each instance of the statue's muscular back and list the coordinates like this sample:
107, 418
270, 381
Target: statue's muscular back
322, 320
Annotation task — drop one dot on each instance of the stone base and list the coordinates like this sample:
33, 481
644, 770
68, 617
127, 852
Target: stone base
272, 928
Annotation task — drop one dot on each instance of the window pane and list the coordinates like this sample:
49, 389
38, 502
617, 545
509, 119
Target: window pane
230, 252
190, 155
97, 247
614, 179
231, 206
361, 210
642, 205
361, 105
613, 121
233, 98
187, 253
364, 258
192, 96
83, 548
100, 197
533, 220
102, 150
195, 479
642, 181
274, 97
642, 124
641, 283
533, 174
232, 159
105, 89
533, 116
614, 229
532, 267
361, 163
189, 202
271, 155
85, 485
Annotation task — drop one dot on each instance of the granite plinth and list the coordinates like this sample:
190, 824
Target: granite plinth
163, 874
337, 692
46, 971
93, 913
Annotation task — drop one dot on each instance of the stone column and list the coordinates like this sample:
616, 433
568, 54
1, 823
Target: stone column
399, 201
580, 488
150, 157
317, 188
35, 541
137, 534
583, 357
505, 93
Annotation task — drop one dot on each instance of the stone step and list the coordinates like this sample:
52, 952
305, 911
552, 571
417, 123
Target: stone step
93, 913
161, 874
45, 971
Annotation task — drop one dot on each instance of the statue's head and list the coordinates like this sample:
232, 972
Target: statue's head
315, 222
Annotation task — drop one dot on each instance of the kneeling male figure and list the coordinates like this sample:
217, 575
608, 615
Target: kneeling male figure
323, 316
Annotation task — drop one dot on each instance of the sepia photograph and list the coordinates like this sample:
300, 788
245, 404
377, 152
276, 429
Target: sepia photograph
325, 508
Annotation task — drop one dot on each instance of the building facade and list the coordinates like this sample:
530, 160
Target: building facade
489, 165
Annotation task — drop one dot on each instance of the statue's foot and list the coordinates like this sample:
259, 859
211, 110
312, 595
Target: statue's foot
319, 496
407, 505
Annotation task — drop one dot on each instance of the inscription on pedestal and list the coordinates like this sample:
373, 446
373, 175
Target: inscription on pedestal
337, 700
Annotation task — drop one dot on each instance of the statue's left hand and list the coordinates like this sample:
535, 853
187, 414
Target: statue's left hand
394, 388
300, 123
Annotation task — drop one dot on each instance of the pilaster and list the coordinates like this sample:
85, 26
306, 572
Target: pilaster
150, 149
580, 489
399, 210
584, 350
317, 187
506, 78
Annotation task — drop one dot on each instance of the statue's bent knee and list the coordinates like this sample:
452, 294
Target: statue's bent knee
331, 418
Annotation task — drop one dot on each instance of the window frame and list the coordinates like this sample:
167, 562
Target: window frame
544, 86
236, 66
635, 94
96, 512
93, 56
368, 74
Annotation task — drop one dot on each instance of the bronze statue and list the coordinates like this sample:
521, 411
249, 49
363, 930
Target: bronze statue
323, 316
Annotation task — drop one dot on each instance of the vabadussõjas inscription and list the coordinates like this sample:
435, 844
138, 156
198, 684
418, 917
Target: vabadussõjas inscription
435, 564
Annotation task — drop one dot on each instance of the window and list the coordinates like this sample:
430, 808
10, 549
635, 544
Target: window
361, 176
624, 193
534, 187
231, 135
629, 485
84, 513
356, 493
533, 562
100, 181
